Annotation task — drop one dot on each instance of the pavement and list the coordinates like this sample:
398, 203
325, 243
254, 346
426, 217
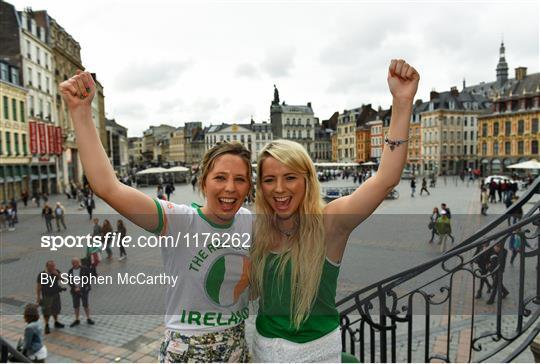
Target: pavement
129, 321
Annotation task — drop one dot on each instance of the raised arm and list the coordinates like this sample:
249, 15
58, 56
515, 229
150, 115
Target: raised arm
343, 215
78, 93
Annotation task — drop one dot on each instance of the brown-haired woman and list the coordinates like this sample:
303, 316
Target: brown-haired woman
33, 346
207, 306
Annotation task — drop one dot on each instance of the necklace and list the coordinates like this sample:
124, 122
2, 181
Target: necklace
290, 232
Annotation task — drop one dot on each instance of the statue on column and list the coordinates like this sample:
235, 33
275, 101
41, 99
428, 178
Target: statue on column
276, 96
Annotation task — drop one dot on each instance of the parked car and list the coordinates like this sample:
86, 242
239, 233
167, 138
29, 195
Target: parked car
332, 193
407, 174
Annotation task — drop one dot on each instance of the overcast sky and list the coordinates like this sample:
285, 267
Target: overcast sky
172, 62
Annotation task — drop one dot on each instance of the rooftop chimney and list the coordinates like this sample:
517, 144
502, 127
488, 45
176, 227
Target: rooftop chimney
521, 73
454, 91
433, 95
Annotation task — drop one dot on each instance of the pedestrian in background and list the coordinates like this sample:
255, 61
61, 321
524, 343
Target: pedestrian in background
107, 228
444, 229
516, 239
492, 191
433, 222
24, 197
90, 204
79, 292
497, 263
481, 259
32, 344
13, 203
484, 198
11, 216
169, 189
36, 198
47, 215
121, 230
59, 216
94, 252
48, 294
424, 186
413, 186
3, 217
449, 214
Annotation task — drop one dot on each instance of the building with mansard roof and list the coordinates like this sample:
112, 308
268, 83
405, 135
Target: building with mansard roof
448, 130
509, 133
347, 124
254, 136
294, 122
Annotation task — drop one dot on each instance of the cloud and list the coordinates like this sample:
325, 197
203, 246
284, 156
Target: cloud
279, 61
243, 113
246, 70
170, 106
156, 76
130, 109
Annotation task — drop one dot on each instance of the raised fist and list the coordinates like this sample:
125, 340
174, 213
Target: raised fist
79, 90
402, 79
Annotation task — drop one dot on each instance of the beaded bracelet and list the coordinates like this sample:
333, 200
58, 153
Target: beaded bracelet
394, 143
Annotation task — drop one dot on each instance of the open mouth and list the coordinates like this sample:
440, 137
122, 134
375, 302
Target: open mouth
227, 204
282, 203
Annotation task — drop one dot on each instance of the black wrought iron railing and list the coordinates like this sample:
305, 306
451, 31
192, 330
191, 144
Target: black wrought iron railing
9, 353
430, 312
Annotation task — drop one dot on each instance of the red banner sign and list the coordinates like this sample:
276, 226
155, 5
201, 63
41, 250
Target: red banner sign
51, 136
58, 140
42, 136
32, 128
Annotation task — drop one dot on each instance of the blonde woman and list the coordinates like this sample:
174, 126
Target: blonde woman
299, 241
205, 309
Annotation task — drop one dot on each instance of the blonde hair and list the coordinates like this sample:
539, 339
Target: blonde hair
221, 148
308, 248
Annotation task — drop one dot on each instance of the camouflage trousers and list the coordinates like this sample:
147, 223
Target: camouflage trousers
220, 346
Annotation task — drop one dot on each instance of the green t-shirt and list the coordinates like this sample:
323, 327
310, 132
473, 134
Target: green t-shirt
274, 320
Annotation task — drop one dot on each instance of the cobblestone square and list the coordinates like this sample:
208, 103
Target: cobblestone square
128, 319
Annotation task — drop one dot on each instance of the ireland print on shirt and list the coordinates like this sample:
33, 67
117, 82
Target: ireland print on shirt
227, 279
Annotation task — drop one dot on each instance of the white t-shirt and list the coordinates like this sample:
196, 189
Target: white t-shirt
212, 265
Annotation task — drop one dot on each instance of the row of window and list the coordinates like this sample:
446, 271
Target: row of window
28, 23
300, 134
515, 105
429, 136
452, 105
8, 144
508, 148
450, 121
297, 121
451, 149
42, 86
213, 139
17, 113
496, 130
36, 55
38, 109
